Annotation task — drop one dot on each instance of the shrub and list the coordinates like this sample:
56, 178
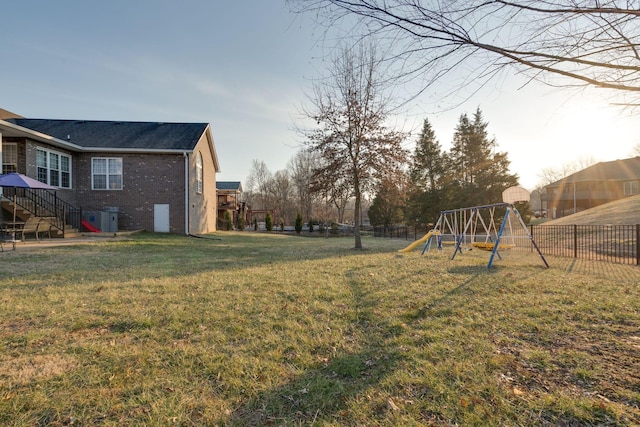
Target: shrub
298, 223
228, 221
268, 222
310, 225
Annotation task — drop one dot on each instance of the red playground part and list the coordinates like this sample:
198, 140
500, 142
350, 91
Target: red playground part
89, 227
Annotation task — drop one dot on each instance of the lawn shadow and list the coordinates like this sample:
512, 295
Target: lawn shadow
151, 255
324, 392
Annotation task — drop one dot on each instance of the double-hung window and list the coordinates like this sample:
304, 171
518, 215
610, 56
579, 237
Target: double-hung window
53, 168
106, 173
9, 157
631, 187
199, 174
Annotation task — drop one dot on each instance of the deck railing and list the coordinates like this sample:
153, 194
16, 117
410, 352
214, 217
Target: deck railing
44, 203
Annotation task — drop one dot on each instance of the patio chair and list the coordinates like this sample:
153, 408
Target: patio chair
45, 226
31, 227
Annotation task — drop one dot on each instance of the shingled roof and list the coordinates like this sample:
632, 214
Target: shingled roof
228, 186
616, 170
119, 135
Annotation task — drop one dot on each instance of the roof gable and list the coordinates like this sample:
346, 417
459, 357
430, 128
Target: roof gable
6, 114
119, 135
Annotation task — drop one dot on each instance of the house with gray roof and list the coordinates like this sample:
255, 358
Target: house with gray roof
230, 206
157, 176
596, 185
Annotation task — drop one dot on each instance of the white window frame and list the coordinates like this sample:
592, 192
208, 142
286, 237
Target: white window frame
108, 173
58, 173
199, 174
6, 162
631, 187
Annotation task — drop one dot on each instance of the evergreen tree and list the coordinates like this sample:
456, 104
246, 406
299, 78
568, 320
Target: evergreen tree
477, 174
386, 208
268, 221
426, 191
228, 223
298, 225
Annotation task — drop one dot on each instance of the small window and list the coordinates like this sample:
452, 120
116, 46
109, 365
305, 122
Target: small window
9, 157
199, 174
106, 173
631, 187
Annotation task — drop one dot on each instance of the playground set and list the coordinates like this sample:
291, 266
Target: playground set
479, 227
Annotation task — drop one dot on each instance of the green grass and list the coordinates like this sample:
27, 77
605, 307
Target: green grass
258, 329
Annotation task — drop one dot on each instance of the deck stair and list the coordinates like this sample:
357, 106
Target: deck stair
63, 218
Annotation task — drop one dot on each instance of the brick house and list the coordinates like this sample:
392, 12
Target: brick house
157, 176
228, 193
596, 185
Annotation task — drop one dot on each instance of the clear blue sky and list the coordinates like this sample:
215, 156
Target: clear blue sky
245, 66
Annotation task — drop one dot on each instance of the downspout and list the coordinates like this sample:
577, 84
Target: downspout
186, 193
0, 162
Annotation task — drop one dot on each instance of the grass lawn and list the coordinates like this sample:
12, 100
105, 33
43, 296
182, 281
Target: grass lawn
258, 329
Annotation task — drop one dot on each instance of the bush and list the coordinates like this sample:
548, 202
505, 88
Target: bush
298, 223
310, 225
241, 223
228, 221
268, 222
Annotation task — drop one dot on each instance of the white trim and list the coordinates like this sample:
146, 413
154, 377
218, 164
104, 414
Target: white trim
60, 155
199, 173
186, 193
107, 174
40, 136
132, 150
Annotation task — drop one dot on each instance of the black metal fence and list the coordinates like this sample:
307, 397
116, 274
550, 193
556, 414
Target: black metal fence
610, 243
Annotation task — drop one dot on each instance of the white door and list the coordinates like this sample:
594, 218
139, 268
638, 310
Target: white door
161, 218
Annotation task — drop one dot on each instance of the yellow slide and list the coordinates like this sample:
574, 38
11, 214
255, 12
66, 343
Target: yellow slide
418, 242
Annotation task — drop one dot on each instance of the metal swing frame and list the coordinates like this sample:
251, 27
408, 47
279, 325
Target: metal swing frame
463, 223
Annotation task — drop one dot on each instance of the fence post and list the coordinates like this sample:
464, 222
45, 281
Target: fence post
575, 241
533, 238
637, 244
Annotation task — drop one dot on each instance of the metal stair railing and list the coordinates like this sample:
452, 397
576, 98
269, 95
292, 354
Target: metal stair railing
44, 203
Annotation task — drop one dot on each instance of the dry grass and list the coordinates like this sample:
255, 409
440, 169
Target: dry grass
259, 329
620, 212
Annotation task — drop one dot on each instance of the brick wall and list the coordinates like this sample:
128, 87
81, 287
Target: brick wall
147, 179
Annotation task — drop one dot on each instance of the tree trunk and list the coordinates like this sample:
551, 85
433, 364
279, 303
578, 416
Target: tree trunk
356, 220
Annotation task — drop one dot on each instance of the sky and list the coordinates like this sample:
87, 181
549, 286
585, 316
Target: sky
247, 67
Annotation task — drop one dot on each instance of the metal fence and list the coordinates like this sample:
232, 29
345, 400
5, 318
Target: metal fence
610, 243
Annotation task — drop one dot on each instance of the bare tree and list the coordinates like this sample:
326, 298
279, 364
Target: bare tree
590, 43
281, 190
349, 109
635, 151
258, 184
301, 167
552, 174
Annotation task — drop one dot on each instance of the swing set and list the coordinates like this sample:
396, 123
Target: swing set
479, 227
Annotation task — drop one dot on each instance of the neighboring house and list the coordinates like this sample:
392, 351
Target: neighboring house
228, 193
598, 184
157, 176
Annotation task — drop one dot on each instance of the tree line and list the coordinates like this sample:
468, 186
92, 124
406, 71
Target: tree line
461, 45
472, 173
421, 184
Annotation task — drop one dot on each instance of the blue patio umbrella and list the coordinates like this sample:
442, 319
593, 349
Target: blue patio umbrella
17, 180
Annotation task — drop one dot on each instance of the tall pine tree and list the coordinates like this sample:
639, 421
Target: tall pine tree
477, 174
426, 194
